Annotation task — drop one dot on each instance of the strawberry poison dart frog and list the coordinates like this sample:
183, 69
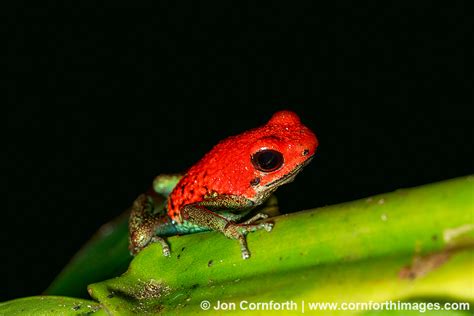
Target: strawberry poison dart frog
220, 191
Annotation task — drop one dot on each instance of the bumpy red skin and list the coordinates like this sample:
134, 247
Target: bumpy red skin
227, 168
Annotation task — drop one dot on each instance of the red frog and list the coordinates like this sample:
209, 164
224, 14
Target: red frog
220, 191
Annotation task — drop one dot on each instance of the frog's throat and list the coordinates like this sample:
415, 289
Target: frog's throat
264, 192
289, 176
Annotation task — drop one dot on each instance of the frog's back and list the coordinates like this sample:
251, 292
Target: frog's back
218, 172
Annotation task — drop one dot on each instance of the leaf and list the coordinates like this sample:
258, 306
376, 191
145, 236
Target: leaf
106, 255
412, 243
50, 305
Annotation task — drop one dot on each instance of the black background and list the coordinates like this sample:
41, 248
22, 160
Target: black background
100, 100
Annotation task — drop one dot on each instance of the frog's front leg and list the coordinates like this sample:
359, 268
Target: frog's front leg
203, 214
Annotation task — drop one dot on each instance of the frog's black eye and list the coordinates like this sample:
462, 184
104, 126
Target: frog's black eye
267, 160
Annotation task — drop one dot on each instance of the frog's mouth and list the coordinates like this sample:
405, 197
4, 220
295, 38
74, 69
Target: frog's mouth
289, 177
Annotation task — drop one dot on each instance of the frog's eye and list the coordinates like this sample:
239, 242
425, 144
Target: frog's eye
267, 160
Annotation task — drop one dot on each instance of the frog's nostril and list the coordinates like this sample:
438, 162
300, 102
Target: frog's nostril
254, 181
305, 152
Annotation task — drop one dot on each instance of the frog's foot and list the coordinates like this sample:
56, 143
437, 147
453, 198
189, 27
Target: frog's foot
163, 243
239, 232
256, 217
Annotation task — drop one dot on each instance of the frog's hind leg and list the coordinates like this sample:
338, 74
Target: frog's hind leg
163, 184
146, 225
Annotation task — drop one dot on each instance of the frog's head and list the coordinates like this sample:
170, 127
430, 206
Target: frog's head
256, 162
278, 152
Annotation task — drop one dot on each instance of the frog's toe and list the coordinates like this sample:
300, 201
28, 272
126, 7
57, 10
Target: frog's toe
245, 254
243, 247
255, 218
166, 251
268, 226
164, 245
